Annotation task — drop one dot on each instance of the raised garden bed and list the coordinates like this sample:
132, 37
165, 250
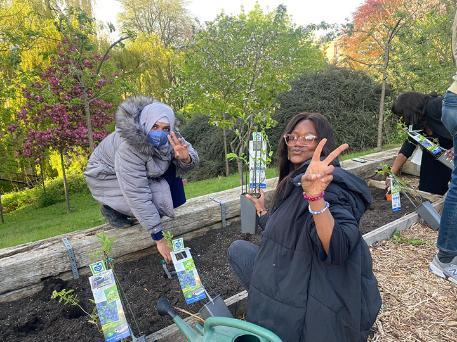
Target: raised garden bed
38, 318
25, 267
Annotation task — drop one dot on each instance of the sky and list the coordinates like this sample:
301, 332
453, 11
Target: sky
303, 12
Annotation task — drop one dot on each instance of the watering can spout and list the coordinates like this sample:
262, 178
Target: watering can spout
164, 308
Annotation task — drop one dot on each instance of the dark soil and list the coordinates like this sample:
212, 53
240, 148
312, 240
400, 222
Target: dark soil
381, 213
39, 318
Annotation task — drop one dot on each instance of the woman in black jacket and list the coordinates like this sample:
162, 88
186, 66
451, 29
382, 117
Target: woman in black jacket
311, 279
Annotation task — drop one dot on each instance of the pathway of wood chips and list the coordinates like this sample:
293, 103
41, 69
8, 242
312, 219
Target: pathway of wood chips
417, 305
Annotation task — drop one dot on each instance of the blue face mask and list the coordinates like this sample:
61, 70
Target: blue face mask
158, 138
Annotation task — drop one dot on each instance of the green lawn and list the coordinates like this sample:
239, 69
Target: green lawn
31, 224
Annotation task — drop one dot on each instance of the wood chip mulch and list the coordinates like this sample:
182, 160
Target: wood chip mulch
417, 305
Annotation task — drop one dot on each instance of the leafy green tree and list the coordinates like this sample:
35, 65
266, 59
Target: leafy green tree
149, 67
423, 58
235, 68
168, 19
28, 36
370, 41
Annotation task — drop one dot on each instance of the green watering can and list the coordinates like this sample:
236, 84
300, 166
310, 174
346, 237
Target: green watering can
218, 329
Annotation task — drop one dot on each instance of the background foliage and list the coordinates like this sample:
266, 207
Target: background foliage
225, 78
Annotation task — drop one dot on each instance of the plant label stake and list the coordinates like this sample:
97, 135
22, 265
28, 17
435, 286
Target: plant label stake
257, 166
395, 190
257, 161
188, 277
435, 150
71, 255
167, 272
108, 302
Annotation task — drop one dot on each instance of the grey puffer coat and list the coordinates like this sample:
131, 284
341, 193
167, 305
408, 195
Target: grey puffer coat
124, 171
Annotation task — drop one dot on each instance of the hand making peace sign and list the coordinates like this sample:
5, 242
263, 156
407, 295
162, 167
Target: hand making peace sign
319, 173
180, 147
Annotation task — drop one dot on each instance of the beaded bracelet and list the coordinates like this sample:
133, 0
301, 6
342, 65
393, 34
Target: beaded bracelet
313, 198
318, 212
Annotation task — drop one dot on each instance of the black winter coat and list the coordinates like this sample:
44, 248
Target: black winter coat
297, 290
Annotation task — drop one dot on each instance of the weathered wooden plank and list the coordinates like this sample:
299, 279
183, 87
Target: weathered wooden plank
25, 266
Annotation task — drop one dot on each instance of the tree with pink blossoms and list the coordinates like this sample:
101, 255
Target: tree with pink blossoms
65, 106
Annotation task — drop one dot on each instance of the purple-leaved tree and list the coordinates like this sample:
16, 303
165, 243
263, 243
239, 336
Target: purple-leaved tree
55, 112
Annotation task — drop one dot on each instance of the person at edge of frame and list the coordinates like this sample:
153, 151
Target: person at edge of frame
423, 112
444, 264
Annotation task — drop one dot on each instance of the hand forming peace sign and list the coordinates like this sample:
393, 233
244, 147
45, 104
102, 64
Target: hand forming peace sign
180, 148
319, 173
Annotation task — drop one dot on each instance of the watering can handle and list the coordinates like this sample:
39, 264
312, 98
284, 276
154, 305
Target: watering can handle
212, 322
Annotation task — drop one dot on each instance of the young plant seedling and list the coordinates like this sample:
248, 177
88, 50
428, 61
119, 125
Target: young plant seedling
398, 238
68, 297
401, 185
168, 236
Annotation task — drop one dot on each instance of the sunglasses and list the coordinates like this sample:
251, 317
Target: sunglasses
293, 139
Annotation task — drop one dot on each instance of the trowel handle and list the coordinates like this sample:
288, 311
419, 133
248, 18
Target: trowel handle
164, 308
212, 322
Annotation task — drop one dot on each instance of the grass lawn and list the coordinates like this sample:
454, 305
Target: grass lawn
31, 224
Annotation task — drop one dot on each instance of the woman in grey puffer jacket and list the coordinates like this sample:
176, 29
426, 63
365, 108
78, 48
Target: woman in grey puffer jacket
125, 172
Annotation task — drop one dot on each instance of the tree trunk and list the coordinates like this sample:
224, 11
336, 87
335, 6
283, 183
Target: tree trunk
239, 164
227, 166
90, 133
242, 169
65, 184
381, 110
42, 174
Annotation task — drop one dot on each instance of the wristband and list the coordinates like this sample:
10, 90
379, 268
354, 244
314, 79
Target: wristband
157, 236
313, 198
318, 212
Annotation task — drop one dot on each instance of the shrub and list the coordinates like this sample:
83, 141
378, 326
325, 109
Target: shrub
349, 99
208, 142
54, 193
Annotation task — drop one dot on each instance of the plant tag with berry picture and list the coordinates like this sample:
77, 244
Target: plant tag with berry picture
108, 302
189, 280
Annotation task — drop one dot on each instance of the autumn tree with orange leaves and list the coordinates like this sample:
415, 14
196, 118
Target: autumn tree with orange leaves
370, 40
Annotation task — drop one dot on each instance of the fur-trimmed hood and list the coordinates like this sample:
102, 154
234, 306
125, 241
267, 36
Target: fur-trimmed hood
128, 123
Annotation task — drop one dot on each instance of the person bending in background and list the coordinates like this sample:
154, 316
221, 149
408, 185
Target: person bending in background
132, 172
424, 113
311, 279
444, 264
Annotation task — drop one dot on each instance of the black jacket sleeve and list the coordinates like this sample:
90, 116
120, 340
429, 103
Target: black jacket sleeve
408, 148
262, 221
345, 237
